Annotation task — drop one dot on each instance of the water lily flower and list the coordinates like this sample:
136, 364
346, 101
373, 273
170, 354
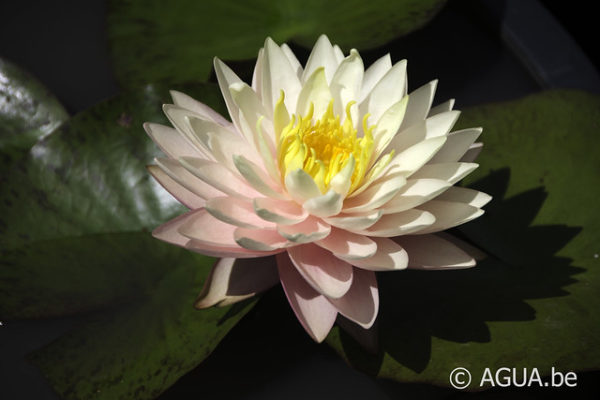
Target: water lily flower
330, 168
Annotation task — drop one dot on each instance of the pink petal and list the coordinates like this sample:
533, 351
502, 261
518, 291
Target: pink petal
307, 231
184, 101
361, 303
206, 229
389, 256
183, 177
315, 313
233, 279
169, 231
282, 212
326, 273
236, 212
401, 223
184, 196
433, 252
170, 141
260, 239
348, 245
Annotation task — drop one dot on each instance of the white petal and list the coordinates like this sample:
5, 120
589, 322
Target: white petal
236, 212
401, 223
282, 212
376, 195
180, 119
218, 176
355, 222
307, 231
348, 245
438, 125
342, 181
472, 153
322, 55
315, 93
389, 256
339, 54
471, 197
448, 214
301, 186
414, 193
257, 74
223, 143
327, 274
325, 205
456, 146
250, 107
373, 75
450, 172
412, 159
387, 127
278, 74
315, 313
232, 279
257, 178
346, 83
183, 177
419, 103
433, 252
184, 196
170, 141
295, 64
440, 108
184, 101
361, 303
226, 77
389, 90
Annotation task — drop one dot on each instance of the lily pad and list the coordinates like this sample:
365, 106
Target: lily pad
27, 111
532, 303
75, 221
151, 41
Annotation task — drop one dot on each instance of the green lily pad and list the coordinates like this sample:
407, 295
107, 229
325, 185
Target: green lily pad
27, 111
152, 42
532, 303
75, 221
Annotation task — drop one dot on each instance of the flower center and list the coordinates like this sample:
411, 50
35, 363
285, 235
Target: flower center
323, 148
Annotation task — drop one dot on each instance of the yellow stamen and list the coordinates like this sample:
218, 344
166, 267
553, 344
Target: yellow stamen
323, 148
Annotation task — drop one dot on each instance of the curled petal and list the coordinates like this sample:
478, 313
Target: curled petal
232, 279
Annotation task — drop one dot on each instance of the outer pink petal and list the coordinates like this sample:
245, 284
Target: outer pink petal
184, 196
169, 231
326, 273
315, 313
204, 228
233, 279
361, 303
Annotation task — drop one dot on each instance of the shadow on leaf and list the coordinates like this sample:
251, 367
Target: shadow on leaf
455, 305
